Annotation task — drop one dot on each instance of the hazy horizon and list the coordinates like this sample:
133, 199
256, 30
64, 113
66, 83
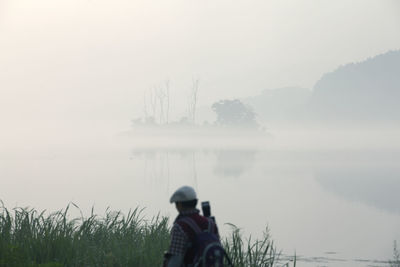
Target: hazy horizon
64, 63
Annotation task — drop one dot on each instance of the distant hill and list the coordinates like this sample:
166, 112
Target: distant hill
288, 103
369, 90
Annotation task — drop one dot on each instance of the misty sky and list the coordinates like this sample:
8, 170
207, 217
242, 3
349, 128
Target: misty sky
73, 60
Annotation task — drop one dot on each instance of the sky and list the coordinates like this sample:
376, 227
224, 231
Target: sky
69, 61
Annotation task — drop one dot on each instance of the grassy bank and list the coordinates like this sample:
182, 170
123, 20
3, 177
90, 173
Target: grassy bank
395, 262
31, 238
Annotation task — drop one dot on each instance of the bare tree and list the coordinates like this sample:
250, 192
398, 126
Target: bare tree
146, 113
153, 101
157, 103
167, 84
150, 105
193, 101
160, 98
163, 102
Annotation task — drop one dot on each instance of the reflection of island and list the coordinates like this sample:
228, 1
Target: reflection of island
233, 163
378, 187
228, 163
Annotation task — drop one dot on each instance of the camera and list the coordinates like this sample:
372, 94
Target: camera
206, 208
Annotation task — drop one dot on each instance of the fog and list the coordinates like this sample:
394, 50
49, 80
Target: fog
93, 61
281, 113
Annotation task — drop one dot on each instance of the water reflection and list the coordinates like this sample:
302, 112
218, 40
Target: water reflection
356, 176
376, 186
228, 163
156, 165
233, 163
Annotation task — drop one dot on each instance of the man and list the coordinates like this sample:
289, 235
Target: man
181, 251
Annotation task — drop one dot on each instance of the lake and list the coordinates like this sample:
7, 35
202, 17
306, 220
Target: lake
331, 204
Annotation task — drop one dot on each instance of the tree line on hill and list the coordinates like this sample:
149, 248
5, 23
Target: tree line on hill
364, 91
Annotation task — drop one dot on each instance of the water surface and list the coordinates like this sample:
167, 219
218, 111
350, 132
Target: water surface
331, 206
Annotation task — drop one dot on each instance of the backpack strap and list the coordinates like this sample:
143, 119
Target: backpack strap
192, 224
210, 225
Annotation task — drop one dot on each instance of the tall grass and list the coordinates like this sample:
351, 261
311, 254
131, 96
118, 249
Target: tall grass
29, 238
396, 256
252, 253
33, 239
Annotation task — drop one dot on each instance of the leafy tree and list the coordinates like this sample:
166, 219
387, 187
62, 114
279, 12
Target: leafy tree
234, 113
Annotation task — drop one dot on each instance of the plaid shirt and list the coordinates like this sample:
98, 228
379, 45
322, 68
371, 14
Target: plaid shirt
179, 239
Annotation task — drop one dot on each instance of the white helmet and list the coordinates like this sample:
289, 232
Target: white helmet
184, 193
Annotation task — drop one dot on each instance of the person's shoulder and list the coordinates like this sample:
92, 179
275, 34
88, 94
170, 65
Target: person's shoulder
203, 219
177, 228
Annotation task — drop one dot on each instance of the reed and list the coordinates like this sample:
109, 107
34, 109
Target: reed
33, 239
246, 252
395, 262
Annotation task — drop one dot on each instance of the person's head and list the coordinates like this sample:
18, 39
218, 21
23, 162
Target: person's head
185, 198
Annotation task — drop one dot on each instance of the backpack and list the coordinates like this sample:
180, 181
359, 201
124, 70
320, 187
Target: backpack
208, 247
